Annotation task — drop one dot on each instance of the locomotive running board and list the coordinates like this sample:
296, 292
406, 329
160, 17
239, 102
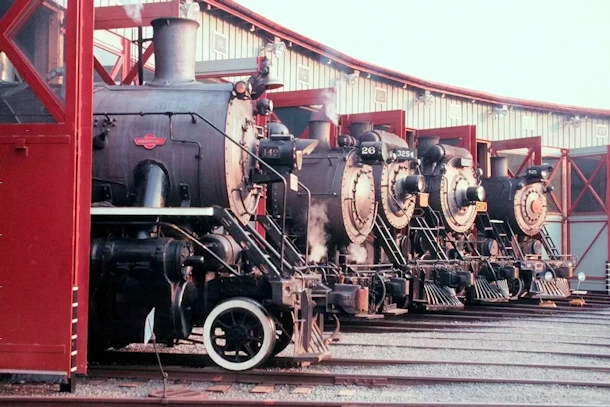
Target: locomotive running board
551, 290
484, 291
440, 298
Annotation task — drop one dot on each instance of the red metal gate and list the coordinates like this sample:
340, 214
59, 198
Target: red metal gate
587, 195
296, 108
460, 136
45, 191
521, 153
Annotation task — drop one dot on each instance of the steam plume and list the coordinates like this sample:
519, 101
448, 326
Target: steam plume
357, 253
133, 8
317, 238
330, 104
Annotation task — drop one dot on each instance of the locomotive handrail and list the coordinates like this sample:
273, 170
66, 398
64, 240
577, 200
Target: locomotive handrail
226, 136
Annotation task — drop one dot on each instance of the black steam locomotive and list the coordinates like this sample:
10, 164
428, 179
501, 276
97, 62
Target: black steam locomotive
515, 221
344, 184
177, 175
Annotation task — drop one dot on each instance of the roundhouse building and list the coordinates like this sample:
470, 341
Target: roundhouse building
231, 37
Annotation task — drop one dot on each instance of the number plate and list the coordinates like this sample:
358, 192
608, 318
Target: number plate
405, 154
368, 151
481, 206
270, 152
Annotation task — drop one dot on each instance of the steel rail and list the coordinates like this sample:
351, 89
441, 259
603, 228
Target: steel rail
54, 401
190, 360
373, 329
404, 323
521, 330
478, 348
313, 378
504, 317
518, 313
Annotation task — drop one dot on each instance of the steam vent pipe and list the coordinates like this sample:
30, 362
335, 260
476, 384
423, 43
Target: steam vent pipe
499, 167
357, 129
175, 41
320, 130
425, 142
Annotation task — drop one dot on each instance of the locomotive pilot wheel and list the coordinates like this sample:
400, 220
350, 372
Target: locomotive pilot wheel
239, 334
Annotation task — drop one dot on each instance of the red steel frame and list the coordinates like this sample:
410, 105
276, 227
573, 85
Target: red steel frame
116, 16
467, 136
300, 98
534, 150
394, 119
124, 61
572, 166
46, 168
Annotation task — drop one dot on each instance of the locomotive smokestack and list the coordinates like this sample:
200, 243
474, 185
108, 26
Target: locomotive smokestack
357, 129
320, 130
175, 44
425, 142
499, 167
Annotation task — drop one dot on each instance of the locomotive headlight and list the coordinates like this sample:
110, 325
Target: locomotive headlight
543, 174
241, 88
548, 276
413, 184
474, 194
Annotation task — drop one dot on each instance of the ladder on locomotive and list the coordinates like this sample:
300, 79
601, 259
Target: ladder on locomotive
422, 225
274, 235
501, 231
388, 243
548, 244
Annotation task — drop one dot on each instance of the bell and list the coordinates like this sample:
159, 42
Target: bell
271, 81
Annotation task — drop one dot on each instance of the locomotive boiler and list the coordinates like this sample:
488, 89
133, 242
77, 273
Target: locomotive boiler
517, 208
176, 179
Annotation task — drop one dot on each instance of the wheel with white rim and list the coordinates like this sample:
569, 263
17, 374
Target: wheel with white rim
239, 334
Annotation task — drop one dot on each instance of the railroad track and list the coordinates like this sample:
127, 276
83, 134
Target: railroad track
187, 401
275, 377
185, 360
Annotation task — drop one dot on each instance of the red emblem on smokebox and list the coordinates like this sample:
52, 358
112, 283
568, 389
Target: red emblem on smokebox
149, 141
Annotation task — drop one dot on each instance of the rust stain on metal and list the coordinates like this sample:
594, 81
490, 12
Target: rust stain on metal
262, 389
302, 390
219, 388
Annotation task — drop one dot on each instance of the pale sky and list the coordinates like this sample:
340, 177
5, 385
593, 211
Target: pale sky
549, 50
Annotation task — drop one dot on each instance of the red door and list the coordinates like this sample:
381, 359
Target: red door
460, 136
45, 176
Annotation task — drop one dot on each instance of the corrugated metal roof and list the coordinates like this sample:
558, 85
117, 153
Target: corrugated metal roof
271, 27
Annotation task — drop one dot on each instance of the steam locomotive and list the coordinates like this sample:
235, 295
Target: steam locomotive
515, 221
178, 170
344, 184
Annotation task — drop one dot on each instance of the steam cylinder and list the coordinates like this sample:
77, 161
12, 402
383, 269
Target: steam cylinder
520, 202
340, 184
203, 167
450, 181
